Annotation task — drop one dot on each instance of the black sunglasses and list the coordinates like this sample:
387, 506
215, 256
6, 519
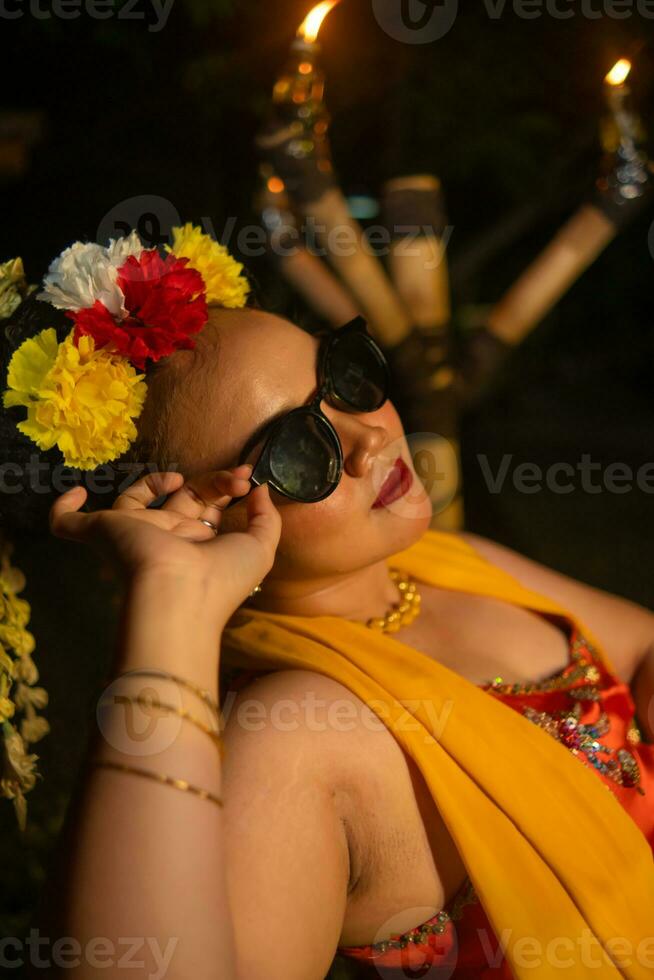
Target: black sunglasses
302, 457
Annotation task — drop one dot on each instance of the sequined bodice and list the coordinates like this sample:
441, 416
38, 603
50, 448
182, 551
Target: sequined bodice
591, 713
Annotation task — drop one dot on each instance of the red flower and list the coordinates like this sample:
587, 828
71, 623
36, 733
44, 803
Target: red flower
165, 302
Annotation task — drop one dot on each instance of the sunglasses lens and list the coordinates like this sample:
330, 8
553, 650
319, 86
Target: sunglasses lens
304, 457
359, 373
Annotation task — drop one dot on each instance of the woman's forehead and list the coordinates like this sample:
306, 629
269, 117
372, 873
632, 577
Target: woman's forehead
265, 366
266, 351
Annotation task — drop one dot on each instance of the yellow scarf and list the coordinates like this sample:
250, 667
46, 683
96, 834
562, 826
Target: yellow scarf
554, 858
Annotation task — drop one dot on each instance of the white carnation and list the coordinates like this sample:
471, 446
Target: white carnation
120, 250
85, 273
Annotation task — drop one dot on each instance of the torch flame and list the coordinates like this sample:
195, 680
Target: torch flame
619, 72
310, 26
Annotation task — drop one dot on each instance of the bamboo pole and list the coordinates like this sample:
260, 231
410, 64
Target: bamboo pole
342, 237
414, 214
305, 272
572, 250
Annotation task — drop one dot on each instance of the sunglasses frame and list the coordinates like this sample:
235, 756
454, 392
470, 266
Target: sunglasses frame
262, 471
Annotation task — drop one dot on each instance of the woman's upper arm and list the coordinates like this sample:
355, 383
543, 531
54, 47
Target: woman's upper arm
625, 629
287, 855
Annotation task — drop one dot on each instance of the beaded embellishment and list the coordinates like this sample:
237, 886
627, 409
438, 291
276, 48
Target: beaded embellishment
619, 765
579, 669
434, 926
583, 740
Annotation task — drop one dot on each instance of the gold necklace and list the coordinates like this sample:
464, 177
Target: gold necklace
402, 613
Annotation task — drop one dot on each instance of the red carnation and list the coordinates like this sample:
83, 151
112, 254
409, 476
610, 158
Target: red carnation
166, 304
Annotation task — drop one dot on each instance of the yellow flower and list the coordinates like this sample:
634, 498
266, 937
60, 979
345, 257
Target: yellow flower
13, 611
81, 400
11, 579
17, 769
34, 728
21, 641
7, 707
12, 286
25, 669
25, 695
9, 666
17, 775
221, 273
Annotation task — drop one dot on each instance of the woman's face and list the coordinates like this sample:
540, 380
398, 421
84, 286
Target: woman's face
256, 366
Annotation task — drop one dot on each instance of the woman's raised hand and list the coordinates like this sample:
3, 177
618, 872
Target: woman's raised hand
172, 540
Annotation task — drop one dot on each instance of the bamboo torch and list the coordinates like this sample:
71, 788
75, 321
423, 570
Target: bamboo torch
295, 143
304, 271
426, 396
621, 191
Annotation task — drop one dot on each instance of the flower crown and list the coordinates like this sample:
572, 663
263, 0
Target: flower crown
129, 306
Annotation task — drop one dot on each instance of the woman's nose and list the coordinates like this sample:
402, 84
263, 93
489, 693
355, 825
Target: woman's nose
361, 443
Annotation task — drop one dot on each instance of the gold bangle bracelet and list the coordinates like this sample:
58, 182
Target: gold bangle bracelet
156, 672
152, 703
160, 778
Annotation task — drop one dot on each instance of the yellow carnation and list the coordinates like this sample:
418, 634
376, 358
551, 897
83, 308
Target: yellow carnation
221, 273
81, 400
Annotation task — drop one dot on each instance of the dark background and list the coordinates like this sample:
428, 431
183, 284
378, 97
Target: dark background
506, 111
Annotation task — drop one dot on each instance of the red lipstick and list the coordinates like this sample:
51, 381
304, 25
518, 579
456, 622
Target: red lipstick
396, 484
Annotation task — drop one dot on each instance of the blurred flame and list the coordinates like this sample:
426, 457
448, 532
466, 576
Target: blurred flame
276, 185
310, 26
619, 72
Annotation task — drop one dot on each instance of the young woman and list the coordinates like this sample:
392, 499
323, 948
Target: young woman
345, 823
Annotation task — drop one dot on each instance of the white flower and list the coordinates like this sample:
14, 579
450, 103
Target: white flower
120, 249
85, 273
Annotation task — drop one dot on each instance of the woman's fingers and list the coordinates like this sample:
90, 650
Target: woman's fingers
146, 490
65, 521
205, 496
264, 520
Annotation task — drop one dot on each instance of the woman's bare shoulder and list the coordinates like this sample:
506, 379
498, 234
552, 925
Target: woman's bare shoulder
301, 703
307, 723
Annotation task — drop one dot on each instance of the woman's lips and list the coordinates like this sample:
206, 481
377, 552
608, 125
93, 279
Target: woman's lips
396, 484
